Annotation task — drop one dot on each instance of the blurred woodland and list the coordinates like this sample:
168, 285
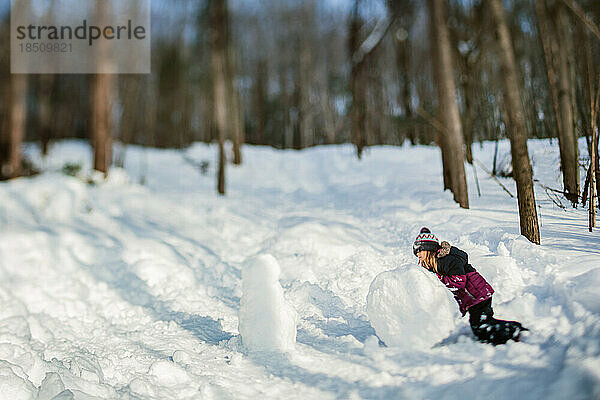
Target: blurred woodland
301, 73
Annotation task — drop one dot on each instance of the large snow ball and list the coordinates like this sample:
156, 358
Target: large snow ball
410, 307
266, 321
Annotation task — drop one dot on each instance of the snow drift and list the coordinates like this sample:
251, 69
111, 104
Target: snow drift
126, 291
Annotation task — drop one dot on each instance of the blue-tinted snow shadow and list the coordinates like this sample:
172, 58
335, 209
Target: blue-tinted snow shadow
333, 331
581, 240
323, 333
132, 289
516, 380
280, 366
210, 276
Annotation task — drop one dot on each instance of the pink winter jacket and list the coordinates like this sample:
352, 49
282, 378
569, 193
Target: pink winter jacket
467, 285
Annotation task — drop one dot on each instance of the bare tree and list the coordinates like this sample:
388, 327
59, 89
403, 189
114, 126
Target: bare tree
46, 82
101, 124
15, 128
357, 85
555, 44
130, 89
101, 104
259, 102
452, 138
234, 103
15, 108
361, 52
593, 174
515, 121
218, 49
404, 12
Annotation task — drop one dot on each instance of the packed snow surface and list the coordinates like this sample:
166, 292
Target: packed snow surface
133, 287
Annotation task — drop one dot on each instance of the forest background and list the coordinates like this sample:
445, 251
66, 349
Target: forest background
299, 73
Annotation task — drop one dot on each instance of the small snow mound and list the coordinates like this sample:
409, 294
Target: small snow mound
213, 392
181, 357
168, 374
51, 386
142, 387
117, 177
14, 386
266, 321
409, 307
585, 290
68, 395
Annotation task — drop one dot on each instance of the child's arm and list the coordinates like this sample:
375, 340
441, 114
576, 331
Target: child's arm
452, 264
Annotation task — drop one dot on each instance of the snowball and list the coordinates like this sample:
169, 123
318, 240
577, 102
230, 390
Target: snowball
168, 374
409, 307
266, 321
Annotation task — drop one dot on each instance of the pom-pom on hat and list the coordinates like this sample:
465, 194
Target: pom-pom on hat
426, 241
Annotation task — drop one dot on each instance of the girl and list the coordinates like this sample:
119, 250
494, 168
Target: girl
470, 289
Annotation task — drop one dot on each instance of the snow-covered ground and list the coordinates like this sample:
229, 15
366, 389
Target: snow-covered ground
129, 291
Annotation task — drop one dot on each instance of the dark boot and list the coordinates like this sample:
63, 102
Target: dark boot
488, 329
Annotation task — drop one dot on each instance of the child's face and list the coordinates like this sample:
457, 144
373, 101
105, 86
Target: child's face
421, 254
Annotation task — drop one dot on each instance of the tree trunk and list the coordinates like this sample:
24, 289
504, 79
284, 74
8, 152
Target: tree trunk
402, 58
218, 20
130, 86
469, 117
101, 126
452, 138
329, 114
357, 86
286, 120
515, 122
237, 125
306, 70
566, 139
305, 117
593, 175
101, 105
45, 111
260, 98
11, 164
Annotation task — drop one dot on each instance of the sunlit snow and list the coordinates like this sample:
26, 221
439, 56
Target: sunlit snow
118, 290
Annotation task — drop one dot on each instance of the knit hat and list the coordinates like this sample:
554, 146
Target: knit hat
425, 241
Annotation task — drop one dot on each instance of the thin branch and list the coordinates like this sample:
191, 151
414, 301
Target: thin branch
557, 201
493, 176
437, 125
476, 180
555, 190
373, 40
586, 186
580, 13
